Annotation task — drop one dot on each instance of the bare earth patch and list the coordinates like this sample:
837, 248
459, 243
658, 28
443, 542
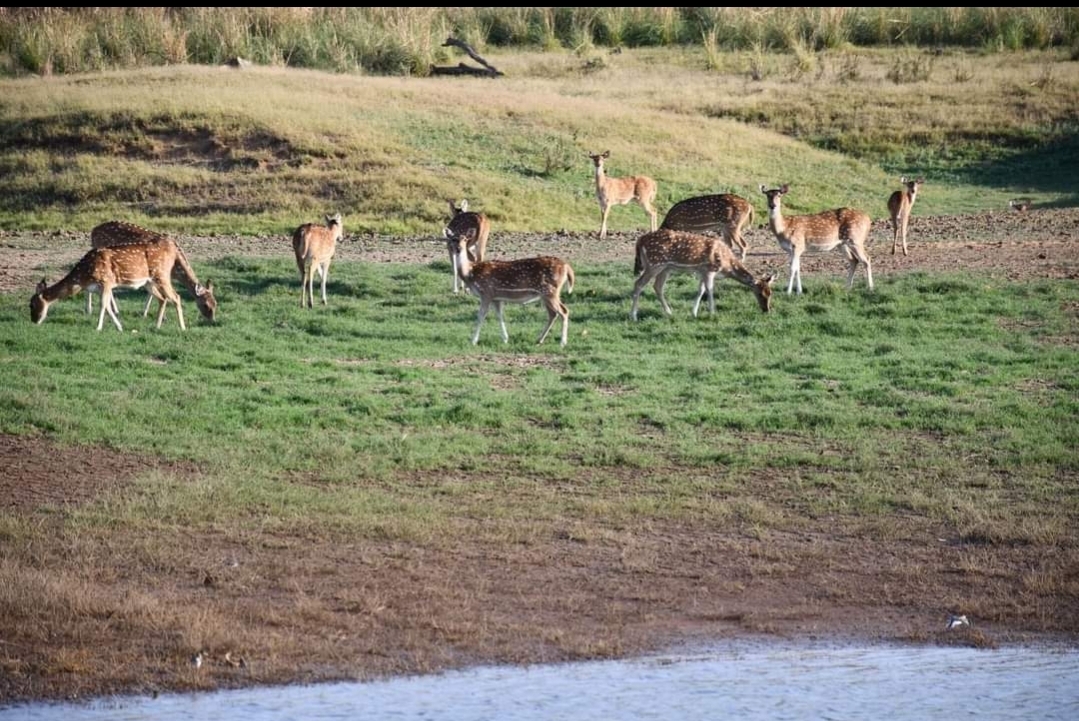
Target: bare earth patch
100, 612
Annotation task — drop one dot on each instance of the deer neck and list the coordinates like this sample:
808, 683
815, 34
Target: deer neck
601, 177
741, 274
464, 265
69, 285
776, 220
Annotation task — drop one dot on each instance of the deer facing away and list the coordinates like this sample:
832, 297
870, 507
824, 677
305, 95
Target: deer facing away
820, 232
525, 280
900, 204
104, 269
118, 233
724, 213
475, 228
620, 191
314, 246
663, 252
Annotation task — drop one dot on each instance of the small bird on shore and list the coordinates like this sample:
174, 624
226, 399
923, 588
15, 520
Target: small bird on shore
957, 621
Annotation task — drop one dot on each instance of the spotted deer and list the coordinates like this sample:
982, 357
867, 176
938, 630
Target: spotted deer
525, 280
104, 269
820, 232
663, 252
475, 228
724, 213
899, 206
117, 233
314, 246
620, 191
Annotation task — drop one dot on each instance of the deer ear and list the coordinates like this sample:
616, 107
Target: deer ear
447, 233
763, 189
606, 154
464, 205
42, 285
784, 189
902, 180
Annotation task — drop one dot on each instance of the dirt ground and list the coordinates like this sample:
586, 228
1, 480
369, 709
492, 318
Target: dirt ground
126, 610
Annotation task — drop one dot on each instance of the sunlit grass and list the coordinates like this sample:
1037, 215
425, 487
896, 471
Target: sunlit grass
855, 402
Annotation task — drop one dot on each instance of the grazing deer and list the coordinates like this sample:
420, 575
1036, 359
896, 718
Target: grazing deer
1019, 206
117, 233
314, 246
620, 191
724, 213
104, 269
664, 252
821, 232
514, 281
899, 206
475, 227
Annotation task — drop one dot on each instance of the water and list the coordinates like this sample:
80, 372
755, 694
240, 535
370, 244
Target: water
737, 681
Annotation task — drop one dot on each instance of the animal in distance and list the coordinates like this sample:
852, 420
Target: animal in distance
475, 227
314, 246
620, 191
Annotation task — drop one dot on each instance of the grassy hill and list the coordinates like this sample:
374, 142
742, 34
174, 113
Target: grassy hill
213, 149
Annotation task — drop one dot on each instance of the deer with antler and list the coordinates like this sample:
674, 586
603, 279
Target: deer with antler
843, 227
525, 280
475, 228
116, 233
314, 246
620, 191
104, 269
723, 213
900, 204
664, 252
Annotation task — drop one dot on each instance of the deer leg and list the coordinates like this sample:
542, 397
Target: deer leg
906, 219
484, 305
306, 285
638, 286
895, 235
325, 273
856, 255
456, 271
708, 280
502, 322
106, 307
652, 220
89, 302
553, 311
661, 282
149, 301
604, 210
702, 289
795, 272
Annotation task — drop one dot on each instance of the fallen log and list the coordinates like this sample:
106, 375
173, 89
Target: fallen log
488, 70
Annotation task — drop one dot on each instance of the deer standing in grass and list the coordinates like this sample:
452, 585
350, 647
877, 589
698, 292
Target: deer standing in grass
663, 252
104, 269
116, 233
620, 191
899, 206
314, 246
475, 228
724, 213
525, 280
820, 232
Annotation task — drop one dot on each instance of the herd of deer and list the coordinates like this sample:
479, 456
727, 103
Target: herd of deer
124, 255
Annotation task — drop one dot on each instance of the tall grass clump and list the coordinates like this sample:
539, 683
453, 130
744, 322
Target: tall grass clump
405, 41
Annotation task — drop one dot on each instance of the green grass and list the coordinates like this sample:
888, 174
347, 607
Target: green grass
864, 402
